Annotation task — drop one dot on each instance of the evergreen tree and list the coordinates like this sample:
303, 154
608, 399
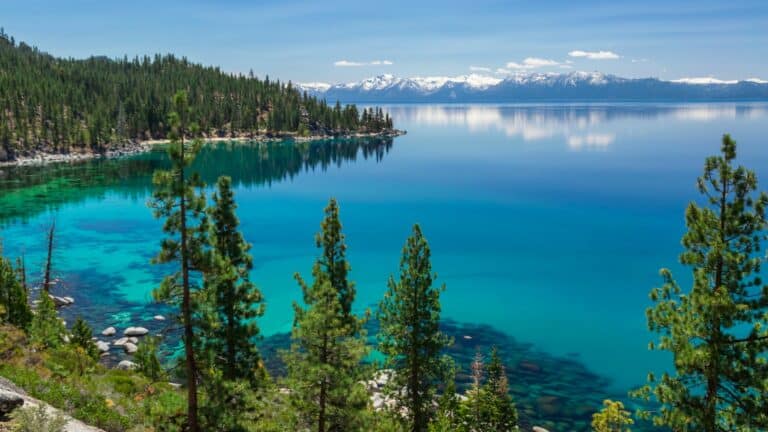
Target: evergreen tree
715, 331
328, 345
612, 418
237, 302
448, 416
82, 337
409, 336
46, 330
14, 306
147, 361
498, 412
178, 198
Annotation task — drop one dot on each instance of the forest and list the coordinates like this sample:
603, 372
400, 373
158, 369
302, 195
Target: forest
56, 105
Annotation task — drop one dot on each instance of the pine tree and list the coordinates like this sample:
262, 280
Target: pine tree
499, 412
82, 337
612, 418
14, 305
147, 361
237, 302
715, 330
328, 343
409, 336
46, 330
178, 198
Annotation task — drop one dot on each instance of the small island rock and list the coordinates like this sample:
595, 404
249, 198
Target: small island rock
126, 365
135, 331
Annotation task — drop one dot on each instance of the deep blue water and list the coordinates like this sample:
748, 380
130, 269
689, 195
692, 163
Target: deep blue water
547, 222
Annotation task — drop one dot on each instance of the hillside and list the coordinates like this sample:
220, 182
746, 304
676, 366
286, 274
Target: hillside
55, 105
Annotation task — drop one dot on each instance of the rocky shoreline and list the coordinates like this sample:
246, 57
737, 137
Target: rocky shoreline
137, 147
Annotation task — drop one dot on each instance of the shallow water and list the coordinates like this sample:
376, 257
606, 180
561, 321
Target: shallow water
547, 222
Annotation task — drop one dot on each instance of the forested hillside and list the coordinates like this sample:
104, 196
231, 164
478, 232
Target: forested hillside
55, 105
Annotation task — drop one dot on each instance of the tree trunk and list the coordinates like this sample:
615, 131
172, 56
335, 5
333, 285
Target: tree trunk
187, 312
47, 277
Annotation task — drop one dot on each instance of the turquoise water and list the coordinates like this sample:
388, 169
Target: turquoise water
546, 222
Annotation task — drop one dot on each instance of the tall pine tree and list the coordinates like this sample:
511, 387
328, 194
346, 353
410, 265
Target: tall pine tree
178, 198
409, 336
715, 331
328, 345
236, 301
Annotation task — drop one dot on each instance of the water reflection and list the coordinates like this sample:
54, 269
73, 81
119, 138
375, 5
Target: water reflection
580, 127
29, 190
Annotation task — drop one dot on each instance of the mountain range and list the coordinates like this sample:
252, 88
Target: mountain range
574, 86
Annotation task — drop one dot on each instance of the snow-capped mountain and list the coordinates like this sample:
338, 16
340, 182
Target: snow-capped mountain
536, 86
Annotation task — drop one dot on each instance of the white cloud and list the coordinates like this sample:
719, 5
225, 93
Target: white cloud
347, 63
531, 63
566, 66
502, 71
479, 69
595, 55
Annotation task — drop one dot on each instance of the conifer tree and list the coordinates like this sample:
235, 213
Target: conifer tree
82, 337
409, 336
232, 331
178, 198
147, 361
14, 305
498, 411
715, 330
612, 418
46, 330
328, 343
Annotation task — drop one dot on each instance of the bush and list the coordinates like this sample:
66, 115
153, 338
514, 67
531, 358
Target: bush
38, 420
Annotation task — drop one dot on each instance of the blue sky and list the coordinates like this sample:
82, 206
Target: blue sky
308, 40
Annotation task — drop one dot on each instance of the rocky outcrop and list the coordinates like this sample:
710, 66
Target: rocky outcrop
9, 401
12, 392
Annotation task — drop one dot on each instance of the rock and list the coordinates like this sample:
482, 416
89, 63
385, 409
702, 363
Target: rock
135, 331
121, 342
539, 429
9, 402
61, 301
126, 365
133, 339
130, 348
102, 346
109, 331
159, 318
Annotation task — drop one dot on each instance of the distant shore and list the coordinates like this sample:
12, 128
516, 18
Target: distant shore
136, 147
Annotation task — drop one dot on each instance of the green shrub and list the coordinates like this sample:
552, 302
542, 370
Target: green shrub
38, 420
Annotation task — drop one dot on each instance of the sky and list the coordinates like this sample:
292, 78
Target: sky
341, 40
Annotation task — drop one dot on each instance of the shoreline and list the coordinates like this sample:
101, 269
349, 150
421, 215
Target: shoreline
138, 147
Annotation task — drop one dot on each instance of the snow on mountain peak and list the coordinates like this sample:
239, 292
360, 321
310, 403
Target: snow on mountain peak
703, 80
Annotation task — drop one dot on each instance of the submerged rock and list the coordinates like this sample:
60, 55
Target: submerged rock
159, 318
135, 331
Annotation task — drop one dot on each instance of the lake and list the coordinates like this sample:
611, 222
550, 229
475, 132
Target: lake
547, 223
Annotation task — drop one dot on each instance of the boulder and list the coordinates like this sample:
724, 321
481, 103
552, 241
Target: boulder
102, 346
159, 318
130, 348
121, 342
135, 331
61, 301
8, 402
109, 331
126, 365
133, 339
539, 429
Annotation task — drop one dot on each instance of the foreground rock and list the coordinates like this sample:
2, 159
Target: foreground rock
9, 401
12, 391
135, 331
